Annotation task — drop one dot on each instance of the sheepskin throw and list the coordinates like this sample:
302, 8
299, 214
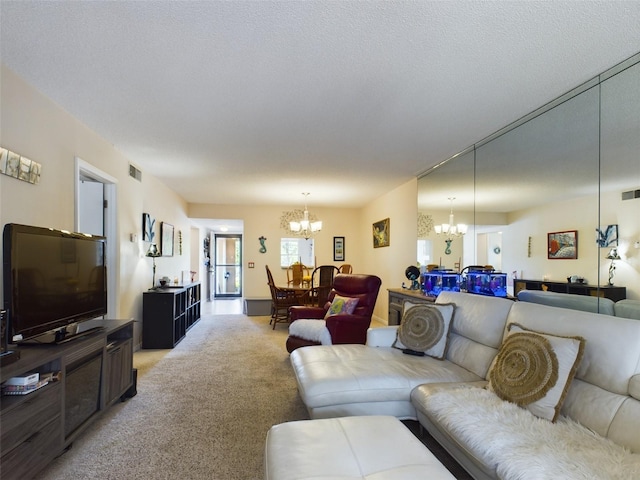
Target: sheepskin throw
523, 446
312, 329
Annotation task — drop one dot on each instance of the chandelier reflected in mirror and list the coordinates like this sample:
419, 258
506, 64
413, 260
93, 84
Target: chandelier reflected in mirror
450, 230
300, 222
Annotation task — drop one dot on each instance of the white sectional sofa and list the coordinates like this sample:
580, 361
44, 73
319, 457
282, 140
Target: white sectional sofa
341, 380
627, 308
600, 417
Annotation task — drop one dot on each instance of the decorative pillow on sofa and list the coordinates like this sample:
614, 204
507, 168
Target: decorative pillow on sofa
534, 370
425, 328
342, 305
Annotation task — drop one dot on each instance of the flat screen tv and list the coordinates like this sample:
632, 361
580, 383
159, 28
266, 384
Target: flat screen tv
52, 278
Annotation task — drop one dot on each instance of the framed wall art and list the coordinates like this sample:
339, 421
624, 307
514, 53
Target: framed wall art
148, 226
166, 238
381, 235
17, 166
338, 249
562, 245
607, 237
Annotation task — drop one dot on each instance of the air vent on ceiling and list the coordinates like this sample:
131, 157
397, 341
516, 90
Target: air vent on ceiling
135, 173
630, 194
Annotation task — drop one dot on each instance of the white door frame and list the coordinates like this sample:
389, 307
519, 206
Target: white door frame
110, 226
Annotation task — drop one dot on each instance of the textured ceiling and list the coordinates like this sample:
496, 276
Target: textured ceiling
257, 102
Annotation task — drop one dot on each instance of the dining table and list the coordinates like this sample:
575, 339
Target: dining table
300, 291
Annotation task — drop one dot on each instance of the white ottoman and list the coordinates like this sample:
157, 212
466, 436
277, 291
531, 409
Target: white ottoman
364, 447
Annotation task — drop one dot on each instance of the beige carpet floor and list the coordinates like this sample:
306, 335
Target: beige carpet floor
202, 409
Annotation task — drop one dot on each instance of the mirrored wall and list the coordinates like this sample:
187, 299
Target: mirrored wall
543, 197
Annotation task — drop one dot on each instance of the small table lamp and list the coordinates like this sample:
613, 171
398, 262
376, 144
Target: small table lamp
613, 256
153, 253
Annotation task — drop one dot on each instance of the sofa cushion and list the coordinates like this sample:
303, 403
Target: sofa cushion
584, 303
627, 308
477, 329
534, 370
341, 304
425, 328
341, 380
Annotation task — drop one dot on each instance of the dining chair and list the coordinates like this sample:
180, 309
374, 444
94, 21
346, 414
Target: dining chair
321, 284
298, 275
281, 300
346, 268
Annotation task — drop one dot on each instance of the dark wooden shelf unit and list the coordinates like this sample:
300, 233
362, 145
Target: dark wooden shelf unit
606, 291
168, 314
39, 426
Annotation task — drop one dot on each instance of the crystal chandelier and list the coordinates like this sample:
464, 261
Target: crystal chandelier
305, 227
450, 230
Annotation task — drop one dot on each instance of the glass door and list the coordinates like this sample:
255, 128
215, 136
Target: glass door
228, 266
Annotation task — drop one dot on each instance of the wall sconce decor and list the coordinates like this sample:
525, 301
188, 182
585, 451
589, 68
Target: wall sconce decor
425, 225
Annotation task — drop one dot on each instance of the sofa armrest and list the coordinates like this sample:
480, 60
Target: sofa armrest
348, 328
297, 312
382, 336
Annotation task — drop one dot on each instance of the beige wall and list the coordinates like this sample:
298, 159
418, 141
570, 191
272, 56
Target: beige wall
390, 263
582, 212
34, 126
265, 221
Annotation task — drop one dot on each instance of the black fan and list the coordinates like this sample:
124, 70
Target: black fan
413, 273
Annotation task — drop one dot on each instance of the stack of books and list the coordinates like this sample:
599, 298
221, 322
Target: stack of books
25, 384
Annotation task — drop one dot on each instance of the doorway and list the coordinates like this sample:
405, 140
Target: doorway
95, 213
228, 265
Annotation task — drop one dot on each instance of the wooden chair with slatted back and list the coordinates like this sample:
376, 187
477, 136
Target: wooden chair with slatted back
281, 300
321, 284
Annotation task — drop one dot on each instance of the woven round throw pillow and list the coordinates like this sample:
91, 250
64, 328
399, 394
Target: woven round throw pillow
525, 369
422, 327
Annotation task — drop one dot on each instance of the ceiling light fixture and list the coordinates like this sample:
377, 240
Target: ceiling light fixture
450, 230
307, 226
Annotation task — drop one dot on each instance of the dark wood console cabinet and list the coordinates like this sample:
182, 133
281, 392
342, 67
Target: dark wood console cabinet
168, 313
37, 427
606, 291
397, 297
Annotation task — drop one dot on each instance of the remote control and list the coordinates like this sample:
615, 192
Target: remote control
408, 351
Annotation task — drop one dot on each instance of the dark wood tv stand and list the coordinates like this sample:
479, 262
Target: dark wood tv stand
39, 426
